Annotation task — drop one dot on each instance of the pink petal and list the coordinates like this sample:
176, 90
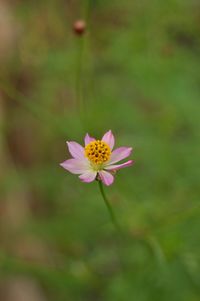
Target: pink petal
119, 154
109, 139
119, 166
88, 176
76, 150
76, 166
88, 139
106, 177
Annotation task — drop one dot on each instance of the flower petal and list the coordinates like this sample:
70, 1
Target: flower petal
119, 154
119, 166
76, 166
88, 176
106, 177
88, 139
76, 150
109, 139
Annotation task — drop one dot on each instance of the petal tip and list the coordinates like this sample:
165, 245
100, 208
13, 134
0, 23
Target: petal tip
88, 139
88, 177
109, 138
107, 184
130, 149
61, 164
106, 177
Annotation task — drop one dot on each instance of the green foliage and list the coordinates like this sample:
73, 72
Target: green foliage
140, 78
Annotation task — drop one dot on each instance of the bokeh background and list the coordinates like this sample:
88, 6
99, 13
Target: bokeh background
135, 70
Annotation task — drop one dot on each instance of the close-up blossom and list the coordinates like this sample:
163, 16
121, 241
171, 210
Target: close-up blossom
97, 159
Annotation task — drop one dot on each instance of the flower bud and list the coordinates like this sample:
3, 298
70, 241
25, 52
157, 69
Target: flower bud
79, 27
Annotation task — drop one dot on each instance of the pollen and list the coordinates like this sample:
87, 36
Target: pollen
98, 152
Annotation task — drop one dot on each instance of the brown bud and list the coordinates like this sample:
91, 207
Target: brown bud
79, 27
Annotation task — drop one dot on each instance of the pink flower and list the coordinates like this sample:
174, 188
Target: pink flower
96, 160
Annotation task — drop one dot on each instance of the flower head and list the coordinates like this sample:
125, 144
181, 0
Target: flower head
96, 160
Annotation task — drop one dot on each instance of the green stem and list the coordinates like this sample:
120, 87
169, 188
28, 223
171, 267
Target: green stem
111, 212
79, 77
81, 51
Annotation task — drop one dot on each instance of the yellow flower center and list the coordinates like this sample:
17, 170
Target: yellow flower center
98, 152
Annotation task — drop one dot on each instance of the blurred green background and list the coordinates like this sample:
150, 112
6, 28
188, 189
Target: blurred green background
136, 71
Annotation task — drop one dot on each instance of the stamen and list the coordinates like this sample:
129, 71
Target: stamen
98, 152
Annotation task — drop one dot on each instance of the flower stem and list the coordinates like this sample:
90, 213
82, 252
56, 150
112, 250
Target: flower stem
79, 77
82, 50
110, 210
